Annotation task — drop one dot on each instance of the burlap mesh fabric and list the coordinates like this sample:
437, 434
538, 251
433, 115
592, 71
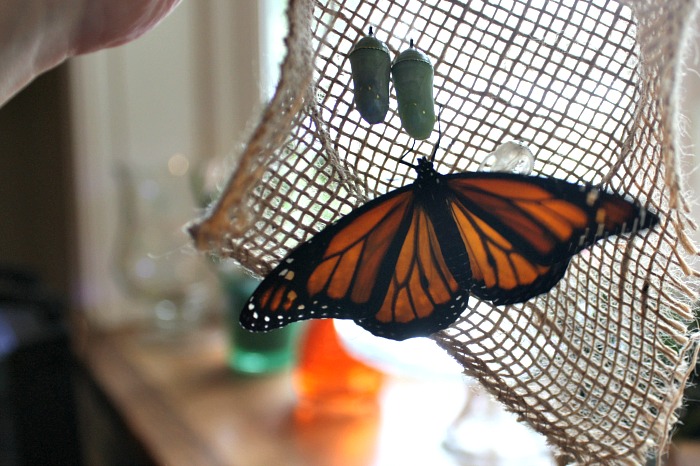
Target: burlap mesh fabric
599, 363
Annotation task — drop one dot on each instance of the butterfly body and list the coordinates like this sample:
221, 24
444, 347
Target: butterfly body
405, 263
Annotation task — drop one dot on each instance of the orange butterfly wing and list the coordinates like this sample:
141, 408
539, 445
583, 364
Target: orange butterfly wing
403, 265
423, 295
335, 273
382, 259
521, 231
381, 265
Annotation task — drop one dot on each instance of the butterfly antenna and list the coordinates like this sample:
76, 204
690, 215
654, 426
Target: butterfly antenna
401, 160
437, 143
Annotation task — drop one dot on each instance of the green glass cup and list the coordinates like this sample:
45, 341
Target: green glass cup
255, 352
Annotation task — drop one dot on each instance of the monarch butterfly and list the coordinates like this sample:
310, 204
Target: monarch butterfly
404, 264
412, 74
370, 63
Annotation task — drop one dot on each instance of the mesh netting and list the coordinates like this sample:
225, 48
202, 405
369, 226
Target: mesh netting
599, 363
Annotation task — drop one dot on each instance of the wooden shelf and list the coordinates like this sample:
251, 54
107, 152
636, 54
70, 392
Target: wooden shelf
184, 405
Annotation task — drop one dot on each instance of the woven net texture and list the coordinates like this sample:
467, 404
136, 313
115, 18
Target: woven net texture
597, 365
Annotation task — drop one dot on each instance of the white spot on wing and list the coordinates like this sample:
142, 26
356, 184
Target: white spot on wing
592, 197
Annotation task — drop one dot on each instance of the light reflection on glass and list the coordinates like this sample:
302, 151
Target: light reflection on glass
178, 165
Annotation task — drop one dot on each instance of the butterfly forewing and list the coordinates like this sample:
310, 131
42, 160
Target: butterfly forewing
338, 272
520, 232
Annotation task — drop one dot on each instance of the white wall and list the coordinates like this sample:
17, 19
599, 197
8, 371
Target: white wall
192, 86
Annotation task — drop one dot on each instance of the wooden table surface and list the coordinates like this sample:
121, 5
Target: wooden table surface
186, 407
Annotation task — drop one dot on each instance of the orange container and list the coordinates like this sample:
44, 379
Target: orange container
329, 381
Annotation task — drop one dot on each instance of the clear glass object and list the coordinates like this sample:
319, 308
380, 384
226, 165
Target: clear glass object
155, 263
509, 157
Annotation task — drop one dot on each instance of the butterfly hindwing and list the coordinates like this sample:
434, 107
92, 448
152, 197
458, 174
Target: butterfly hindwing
423, 295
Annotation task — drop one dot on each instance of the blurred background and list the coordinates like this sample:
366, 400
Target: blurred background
187, 93
94, 153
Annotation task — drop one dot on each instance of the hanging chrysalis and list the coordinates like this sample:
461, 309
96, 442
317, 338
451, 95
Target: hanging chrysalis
412, 74
370, 63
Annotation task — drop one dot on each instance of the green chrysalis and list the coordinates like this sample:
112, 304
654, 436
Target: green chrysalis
412, 73
370, 63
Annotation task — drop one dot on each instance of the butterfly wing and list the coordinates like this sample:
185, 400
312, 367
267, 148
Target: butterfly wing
381, 265
422, 295
403, 264
521, 231
337, 273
